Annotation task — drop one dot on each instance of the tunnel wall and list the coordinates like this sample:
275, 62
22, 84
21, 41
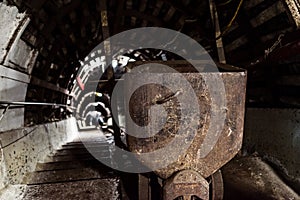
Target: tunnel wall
16, 62
13, 87
21, 149
275, 135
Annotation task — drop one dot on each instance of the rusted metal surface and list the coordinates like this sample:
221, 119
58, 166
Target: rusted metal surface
186, 184
143, 188
217, 186
294, 10
230, 140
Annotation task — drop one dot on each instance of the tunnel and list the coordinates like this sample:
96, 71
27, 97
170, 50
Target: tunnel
60, 67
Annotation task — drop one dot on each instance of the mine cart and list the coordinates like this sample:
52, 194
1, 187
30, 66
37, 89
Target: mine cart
219, 93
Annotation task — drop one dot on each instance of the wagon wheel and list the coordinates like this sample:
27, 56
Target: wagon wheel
216, 186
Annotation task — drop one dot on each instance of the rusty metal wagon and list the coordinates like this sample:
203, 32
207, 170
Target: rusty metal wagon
189, 174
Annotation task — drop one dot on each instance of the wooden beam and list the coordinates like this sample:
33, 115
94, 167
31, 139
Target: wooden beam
52, 22
250, 4
268, 14
137, 14
118, 17
35, 5
178, 5
237, 43
290, 101
105, 32
293, 80
218, 34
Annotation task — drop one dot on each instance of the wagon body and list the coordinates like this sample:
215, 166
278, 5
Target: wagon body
230, 129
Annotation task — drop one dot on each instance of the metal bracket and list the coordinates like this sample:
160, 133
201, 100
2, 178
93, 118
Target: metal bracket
186, 184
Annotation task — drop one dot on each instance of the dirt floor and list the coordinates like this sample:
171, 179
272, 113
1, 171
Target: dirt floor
250, 178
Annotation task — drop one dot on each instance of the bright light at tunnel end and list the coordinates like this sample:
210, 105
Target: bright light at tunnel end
178, 44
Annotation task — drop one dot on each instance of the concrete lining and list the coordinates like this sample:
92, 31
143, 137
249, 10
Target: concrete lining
21, 149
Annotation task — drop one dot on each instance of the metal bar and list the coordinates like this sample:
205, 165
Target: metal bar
105, 81
33, 104
217, 186
143, 188
5, 110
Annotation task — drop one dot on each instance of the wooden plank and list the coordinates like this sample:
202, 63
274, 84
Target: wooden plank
271, 36
252, 3
50, 57
150, 18
236, 43
293, 80
118, 17
268, 14
179, 6
158, 7
291, 101
251, 33
287, 91
143, 5
52, 22
35, 5
142, 8
169, 14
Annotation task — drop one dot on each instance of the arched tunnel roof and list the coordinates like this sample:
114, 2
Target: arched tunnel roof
63, 32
